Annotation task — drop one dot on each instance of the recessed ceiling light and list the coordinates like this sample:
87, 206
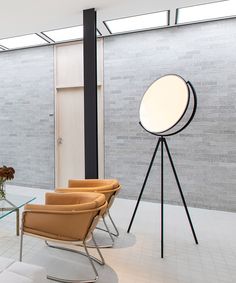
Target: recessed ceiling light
22, 41
65, 34
206, 12
140, 22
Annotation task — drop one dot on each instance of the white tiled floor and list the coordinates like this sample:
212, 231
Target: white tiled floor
136, 256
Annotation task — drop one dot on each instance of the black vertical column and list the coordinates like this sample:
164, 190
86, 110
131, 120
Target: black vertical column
90, 94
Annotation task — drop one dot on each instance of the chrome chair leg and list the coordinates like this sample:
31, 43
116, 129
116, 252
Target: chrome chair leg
21, 235
71, 281
107, 230
99, 261
98, 250
116, 234
87, 254
91, 261
21, 244
90, 258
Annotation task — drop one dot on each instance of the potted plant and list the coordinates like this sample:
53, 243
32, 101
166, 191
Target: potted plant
6, 173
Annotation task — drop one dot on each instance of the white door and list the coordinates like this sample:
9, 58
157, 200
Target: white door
70, 135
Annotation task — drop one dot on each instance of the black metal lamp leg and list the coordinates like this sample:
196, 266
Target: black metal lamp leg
180, 190
162, 198
144, 184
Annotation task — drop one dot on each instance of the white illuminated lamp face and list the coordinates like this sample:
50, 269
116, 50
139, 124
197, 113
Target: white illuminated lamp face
206, 11
140, 22
164, 104
22, 41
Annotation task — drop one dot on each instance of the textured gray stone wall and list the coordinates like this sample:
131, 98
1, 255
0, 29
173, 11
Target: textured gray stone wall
26, 130
205, 153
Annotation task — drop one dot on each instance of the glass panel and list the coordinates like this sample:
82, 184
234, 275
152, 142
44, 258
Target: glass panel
12, 202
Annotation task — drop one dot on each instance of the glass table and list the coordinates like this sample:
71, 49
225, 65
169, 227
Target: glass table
13, 203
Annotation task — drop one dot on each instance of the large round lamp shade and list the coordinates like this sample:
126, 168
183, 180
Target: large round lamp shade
164, 104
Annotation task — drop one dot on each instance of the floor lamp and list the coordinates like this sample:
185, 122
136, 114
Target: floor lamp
164, 105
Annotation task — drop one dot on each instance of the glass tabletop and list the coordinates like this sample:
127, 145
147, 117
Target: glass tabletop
13, 202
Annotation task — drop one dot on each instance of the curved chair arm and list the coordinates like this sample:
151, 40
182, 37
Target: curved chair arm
83, 199
110, 194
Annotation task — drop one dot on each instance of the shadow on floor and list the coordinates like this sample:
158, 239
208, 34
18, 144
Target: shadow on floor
124, 240
71, 266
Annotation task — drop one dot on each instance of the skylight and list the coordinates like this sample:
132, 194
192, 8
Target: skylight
140, 22
206, 12
22, 41
65, 34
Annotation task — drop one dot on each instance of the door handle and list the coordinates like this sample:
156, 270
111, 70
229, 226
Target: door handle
59, 141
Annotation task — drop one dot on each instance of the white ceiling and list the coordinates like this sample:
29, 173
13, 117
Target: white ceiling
18, 17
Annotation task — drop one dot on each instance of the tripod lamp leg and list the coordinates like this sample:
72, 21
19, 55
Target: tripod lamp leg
144, 184
162, 199
181, 192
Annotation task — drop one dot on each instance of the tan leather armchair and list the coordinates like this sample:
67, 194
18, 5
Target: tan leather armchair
65, 219
109, 187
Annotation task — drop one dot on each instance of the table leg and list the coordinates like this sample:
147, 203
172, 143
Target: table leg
17, 222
